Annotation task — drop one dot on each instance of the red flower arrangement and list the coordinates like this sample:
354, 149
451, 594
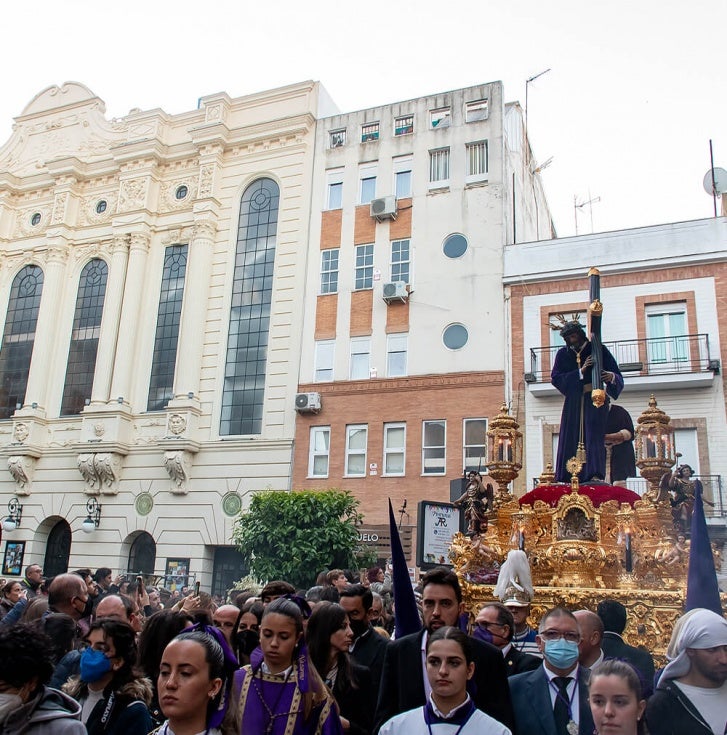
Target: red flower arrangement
598, 494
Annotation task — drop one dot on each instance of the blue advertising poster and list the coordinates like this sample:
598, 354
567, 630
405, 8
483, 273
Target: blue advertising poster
436, 525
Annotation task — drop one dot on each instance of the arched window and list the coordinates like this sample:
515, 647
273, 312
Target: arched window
142, 554
161, 383
252, 291
18, 338
84, 338
57, 550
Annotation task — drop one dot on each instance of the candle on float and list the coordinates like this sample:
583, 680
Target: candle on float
629, 555
521, 539
499, 449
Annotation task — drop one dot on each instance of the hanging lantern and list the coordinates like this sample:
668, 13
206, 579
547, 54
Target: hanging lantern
504, 452
654, 446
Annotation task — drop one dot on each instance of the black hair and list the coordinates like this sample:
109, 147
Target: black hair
101, 573
450, 633
25, 653
613, 615
444, 576
61, 629
557, 612
358, 590
158, 630
327, 618
283, 606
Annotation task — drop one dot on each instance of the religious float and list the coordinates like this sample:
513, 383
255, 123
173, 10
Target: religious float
585, 542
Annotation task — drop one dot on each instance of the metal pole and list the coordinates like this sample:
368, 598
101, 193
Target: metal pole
711, 168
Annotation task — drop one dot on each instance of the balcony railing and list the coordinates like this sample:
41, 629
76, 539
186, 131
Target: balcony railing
713, 492
688, 353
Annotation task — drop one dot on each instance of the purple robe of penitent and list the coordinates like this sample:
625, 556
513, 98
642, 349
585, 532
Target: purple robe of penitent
566, 377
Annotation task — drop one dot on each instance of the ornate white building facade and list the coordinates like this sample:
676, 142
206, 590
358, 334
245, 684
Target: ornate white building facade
151, 275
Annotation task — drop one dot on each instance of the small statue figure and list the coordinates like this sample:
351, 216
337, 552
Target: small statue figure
679, 552
476, 500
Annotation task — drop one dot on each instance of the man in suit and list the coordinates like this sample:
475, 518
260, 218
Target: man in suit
591, 653
404, 683
495, 624
553, 699
368, 648
613, 615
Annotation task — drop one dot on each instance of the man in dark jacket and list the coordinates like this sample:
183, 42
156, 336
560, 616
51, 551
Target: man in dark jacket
33, 580
691, 696
404, 683
495, 622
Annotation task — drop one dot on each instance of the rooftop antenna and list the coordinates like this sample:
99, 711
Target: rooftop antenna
715, 180
527, 82
579, 205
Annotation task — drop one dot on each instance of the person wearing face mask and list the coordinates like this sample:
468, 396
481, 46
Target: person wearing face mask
68, 594
495, 624
113, 696
368, 648
553, 699
27, 705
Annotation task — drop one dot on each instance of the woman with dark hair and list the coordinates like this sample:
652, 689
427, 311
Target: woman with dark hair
158, 631
329, 636
616, 700
194, 685
27, 705
114, 697
246, 635
280, 691
450, 666
11, 594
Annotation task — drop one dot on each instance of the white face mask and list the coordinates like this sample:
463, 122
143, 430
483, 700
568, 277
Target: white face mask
8, 703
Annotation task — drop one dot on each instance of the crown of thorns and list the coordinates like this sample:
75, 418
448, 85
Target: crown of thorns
558, 322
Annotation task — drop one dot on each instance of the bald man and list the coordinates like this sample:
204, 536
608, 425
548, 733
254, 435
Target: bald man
225, 618
590, 649
68, 594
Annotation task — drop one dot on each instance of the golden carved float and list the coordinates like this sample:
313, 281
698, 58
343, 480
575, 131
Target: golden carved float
586, 543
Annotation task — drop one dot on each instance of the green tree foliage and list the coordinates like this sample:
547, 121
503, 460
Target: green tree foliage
295, 535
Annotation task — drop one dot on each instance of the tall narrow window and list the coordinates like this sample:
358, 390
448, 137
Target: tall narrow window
666, 329
334, 188
19, 337
439, 167
402, 176
367, 173
356, 440
324, 360
360, 358
434, 447
396, 349
84, 338
474, 445
400, 260
394, 449
329, 271
319, 451
161, 383
252, 292
477, 160
364, 268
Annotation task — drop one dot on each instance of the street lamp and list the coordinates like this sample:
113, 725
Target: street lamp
15, 514
93, 508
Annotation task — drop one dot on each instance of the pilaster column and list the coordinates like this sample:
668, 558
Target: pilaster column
194, 310
110, 321
129, 321
46, 329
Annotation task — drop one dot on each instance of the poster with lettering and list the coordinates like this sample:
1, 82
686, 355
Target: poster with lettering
436, 525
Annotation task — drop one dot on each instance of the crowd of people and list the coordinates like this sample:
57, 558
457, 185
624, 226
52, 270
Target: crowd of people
82, 655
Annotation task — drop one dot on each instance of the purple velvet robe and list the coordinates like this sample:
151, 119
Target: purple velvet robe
284, 699
566, 377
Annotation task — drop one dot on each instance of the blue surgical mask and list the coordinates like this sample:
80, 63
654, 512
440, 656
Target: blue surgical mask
94, 665
561, 653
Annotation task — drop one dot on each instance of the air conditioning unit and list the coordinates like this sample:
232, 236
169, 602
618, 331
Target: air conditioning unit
383, 208
308, 402
396, 290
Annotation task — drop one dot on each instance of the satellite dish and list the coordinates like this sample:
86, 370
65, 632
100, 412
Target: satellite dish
720, 181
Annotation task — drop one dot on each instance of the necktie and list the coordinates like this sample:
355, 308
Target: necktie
560, 710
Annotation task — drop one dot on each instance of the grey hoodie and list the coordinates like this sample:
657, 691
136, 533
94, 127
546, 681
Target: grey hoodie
50, 712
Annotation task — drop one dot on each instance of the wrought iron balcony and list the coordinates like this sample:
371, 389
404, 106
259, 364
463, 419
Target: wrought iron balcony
715, 505
688, 353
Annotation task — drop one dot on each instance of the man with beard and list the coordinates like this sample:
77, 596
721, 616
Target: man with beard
368, 648
404, 683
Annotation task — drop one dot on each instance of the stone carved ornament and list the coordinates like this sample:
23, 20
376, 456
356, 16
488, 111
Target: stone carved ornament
22, 468
178, 464
101, 471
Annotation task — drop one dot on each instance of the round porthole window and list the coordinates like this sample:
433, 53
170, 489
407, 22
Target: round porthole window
455, 246
101, 206
181, 192
35, 219
455, 336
